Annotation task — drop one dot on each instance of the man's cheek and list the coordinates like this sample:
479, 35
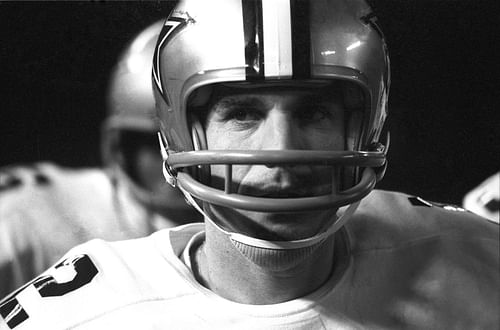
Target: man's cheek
217, 176
238, 175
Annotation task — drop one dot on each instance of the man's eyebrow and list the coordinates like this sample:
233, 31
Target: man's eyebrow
228, 102
311, 100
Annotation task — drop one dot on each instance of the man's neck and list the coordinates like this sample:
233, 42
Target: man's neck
268, 277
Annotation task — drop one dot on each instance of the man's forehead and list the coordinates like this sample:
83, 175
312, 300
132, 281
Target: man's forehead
265, 91
322, 89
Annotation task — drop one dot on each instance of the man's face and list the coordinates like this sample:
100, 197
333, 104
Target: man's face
276, 118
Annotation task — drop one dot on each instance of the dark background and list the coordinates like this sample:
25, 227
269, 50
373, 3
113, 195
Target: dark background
55, 58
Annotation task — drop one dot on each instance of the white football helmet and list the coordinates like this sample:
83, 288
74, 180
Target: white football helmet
275, 43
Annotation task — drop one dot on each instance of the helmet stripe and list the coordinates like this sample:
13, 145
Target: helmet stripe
254, 41
277, 38
301, 39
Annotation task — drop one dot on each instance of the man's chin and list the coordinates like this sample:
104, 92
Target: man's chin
274, 226
294, 226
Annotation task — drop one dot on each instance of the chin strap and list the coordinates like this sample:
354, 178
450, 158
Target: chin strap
276, 245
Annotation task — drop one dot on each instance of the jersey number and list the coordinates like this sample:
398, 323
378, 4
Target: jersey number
81, 269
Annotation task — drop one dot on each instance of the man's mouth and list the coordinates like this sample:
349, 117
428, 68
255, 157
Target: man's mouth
284, 194
289, 192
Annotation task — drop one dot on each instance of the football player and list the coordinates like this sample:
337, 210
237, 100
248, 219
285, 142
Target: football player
46, 209
270, 123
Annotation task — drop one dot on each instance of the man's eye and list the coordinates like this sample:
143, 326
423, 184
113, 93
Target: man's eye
244, 115
316, 113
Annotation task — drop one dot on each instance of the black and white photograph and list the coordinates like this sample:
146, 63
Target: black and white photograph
249, 164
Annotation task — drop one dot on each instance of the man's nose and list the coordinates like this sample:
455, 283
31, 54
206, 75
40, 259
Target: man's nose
281, 132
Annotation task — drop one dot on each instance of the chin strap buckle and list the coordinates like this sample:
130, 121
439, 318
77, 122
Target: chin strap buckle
379, 147
169, 173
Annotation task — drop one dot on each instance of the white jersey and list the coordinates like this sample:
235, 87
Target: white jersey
401, 262
45, 210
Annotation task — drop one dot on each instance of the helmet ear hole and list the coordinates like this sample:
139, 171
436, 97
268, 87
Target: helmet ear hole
353, 129
199, 143
198, 134
354, 100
